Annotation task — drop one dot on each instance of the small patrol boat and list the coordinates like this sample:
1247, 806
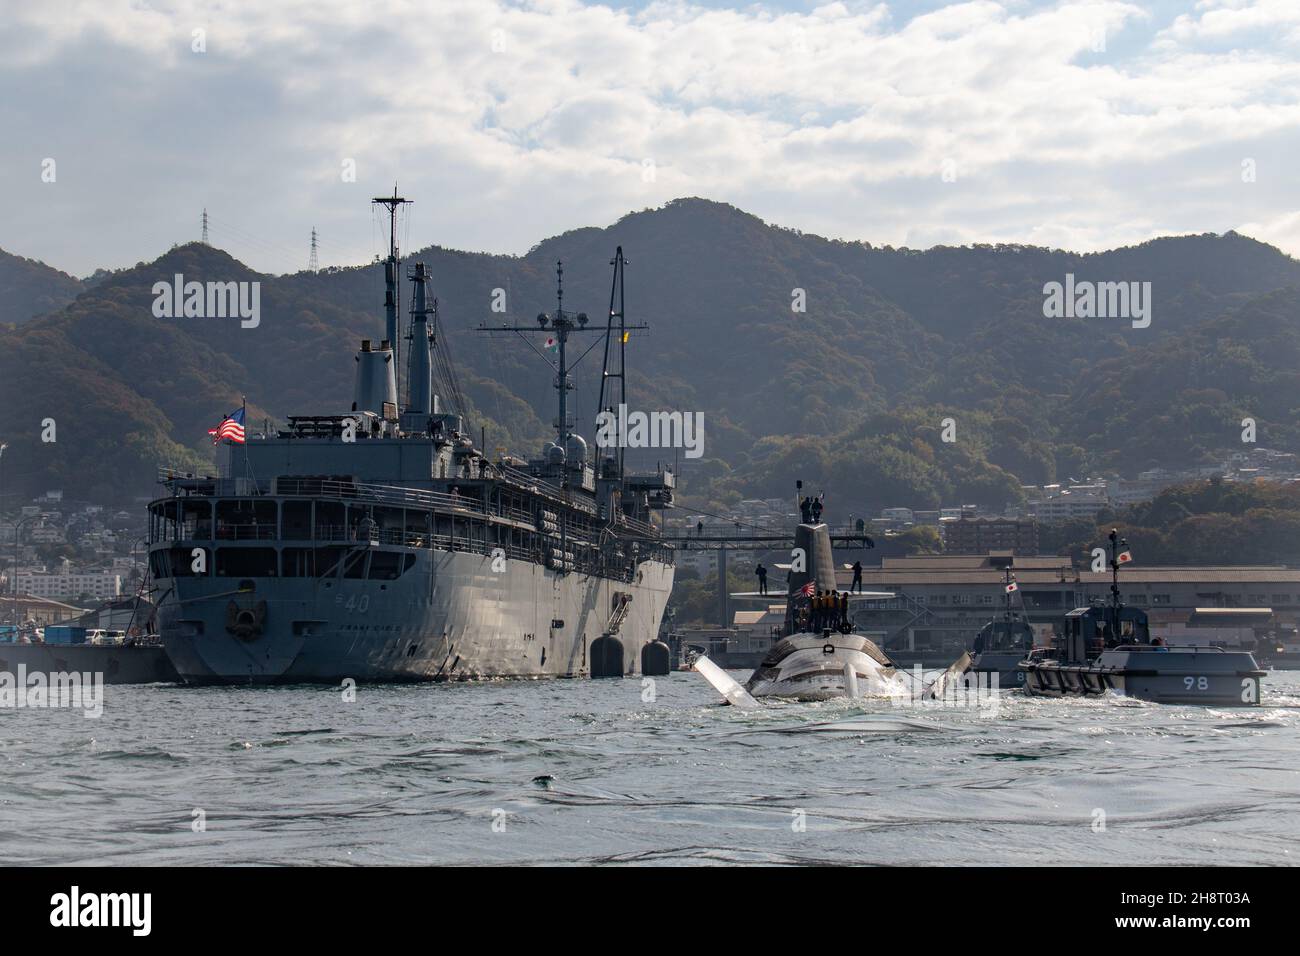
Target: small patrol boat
1001, 645
1108, 649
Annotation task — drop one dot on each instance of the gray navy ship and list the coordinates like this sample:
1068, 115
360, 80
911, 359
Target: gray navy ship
383, 545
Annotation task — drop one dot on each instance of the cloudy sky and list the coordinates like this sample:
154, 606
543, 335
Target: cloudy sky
1083, 124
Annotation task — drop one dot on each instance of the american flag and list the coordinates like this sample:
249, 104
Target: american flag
808, 589
232, 427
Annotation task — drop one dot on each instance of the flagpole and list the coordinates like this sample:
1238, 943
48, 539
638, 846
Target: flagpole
243, 414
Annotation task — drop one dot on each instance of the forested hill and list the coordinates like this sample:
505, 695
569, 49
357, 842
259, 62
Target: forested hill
29, 288
848, 394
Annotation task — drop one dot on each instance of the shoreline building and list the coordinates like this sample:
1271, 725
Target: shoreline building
71, 585
969, 535
943, 600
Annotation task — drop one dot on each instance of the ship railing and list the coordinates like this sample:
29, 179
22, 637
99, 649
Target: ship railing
244, 532
377, 494
1198, 648
637, 526
413, 497
532, 482
418, 539
397, 496
524, 480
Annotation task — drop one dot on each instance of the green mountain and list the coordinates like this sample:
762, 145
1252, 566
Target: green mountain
29, 288
850, 393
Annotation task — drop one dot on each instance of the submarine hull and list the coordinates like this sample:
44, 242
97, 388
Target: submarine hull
810, 666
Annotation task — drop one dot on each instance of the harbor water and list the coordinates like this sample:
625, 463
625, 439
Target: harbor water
625, 771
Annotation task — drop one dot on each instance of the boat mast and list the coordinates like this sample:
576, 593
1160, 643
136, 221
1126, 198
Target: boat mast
392, 289
1116, 542
615, 298
561, 324
1006, 598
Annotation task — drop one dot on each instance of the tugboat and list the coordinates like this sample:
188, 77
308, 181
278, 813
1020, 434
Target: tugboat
1001, 645
1109, 649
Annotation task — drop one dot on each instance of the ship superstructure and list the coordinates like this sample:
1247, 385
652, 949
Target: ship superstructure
379, 543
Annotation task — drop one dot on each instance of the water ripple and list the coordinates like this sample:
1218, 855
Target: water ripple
590, 773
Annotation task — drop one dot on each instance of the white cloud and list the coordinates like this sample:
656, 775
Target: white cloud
513, 121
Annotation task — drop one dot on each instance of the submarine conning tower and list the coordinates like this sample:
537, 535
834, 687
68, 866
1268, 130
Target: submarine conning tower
814, 540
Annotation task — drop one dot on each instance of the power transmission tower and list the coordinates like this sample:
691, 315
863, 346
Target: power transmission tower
313, 263
205, 226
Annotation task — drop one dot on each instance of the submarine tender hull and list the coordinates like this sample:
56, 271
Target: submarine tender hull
449, 617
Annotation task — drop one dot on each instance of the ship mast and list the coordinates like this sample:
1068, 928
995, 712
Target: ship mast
562, 324
615, 290
1006, 597
392, 290
1116, 542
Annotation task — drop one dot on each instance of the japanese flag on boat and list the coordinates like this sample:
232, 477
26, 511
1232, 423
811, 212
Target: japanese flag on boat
808, 589
1013, 586
1124, 557
550, 344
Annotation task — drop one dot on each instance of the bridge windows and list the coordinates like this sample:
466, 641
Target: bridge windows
246, 519
180, 562
298, 563
329, 521
296, 518
246, 563
164, 520
196, 518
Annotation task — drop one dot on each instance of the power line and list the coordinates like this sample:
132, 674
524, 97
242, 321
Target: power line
313, 262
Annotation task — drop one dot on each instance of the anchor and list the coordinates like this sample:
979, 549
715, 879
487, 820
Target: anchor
246, 623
